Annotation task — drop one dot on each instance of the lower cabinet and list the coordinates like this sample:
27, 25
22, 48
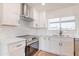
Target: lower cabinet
17, 48
67, 46
44, 44
18, 52
57, 45
54, 45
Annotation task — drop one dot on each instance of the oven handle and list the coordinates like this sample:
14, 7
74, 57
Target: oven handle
31, 43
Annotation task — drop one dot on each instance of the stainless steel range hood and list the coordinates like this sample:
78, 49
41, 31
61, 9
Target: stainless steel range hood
25, 13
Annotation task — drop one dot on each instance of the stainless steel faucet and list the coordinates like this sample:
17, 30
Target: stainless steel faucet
60, 33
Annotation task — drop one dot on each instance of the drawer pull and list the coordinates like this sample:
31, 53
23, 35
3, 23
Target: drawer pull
19, 45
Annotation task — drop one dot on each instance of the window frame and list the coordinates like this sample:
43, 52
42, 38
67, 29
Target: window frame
64, 21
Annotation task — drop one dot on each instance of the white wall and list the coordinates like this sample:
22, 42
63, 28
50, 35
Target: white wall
68, 11
1, 12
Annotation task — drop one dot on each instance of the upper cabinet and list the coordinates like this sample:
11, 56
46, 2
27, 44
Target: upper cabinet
39, 18
10, 14
35, 16
43, 21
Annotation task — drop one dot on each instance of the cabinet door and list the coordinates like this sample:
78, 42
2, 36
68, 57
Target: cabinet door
44, 44
18, 52
35, 16
42, 19
54, 45
39, 18
11, 14
17, 49
67, 46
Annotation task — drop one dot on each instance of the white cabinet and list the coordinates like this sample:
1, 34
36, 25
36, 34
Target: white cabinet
57, 45
35, 16
39, 18
54, 45
44, 44
67, 47
10, 14
62, 45
12, 47
19, 52
17, 49
43, 21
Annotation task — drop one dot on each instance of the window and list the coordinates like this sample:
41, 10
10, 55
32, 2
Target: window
68, 26
66, 23
53, 24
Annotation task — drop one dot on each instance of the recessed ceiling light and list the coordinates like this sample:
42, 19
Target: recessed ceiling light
43, 4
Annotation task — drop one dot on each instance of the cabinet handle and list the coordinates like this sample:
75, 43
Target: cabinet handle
60, 44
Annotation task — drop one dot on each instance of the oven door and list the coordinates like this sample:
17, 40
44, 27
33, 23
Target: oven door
32, 48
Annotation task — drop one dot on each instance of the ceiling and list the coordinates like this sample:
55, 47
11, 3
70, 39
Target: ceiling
51, 6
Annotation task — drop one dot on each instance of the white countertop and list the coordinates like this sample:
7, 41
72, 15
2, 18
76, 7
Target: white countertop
10, 40
7, 40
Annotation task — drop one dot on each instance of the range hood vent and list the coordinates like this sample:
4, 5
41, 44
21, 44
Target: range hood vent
25, 13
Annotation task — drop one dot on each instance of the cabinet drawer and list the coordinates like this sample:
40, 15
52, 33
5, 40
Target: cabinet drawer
17, 45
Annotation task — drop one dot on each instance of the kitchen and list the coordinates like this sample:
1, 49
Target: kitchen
28, 28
